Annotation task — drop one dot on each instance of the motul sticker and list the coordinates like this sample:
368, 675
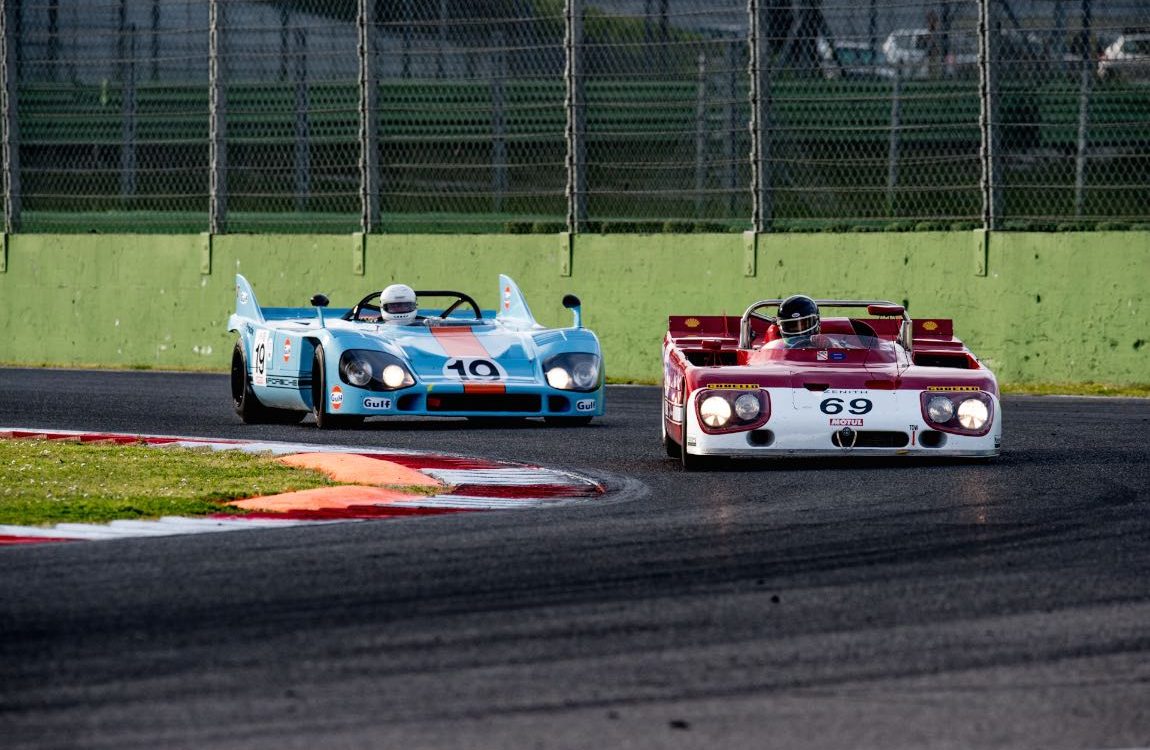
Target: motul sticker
336, 398
585, 405
376, 403
287, 349
842, 422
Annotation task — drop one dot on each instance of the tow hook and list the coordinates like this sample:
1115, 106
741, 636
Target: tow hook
847, 438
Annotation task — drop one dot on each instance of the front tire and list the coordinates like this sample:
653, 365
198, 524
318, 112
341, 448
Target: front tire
244, 399
324, 419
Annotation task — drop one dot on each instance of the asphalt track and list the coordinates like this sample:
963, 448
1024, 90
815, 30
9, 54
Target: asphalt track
831, 604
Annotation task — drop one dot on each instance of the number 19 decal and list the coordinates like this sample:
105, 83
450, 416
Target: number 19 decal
473, 368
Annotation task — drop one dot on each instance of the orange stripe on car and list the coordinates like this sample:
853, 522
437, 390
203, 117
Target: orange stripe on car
460, 342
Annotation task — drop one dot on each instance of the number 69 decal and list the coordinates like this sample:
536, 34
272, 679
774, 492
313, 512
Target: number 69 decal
856, 406
473, 368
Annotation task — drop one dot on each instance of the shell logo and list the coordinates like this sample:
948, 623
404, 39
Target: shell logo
691, 322
930, 325
336, 398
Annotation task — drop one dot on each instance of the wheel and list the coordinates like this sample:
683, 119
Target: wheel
324, 419
244, 399
567, 421
673, 449
689, 461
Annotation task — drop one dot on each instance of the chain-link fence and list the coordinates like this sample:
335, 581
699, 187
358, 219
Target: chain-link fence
586, 115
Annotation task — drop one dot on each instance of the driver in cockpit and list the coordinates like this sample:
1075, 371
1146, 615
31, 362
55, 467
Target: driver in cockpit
398, 305
798, 321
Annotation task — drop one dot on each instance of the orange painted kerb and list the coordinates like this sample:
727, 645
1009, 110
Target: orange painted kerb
366, 473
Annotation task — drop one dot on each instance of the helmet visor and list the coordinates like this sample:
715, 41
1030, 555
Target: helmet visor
399, 308
799, 326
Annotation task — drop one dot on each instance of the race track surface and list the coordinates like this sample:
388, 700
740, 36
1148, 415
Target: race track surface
813, 604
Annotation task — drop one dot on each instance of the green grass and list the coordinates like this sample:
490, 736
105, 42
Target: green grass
1137, 390
45, 482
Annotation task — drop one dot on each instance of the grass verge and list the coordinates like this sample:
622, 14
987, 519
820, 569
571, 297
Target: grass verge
44, 482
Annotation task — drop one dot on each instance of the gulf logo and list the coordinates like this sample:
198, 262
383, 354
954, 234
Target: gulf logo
287, 350
507, 298
336, 398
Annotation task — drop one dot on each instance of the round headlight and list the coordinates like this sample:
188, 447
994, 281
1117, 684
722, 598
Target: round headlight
940, 409
559, 378
394, 376
358, 372
715, 411
972, 414
584, 375
747, 407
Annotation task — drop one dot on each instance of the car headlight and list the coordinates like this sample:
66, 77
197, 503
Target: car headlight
574, 371
940, 409
747, 407
715, 411
972, 414
374, 371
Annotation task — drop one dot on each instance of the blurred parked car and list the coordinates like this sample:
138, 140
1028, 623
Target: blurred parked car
1128, 58
852, 59
921, 53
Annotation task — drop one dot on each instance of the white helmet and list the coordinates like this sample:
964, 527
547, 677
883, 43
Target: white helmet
397, 304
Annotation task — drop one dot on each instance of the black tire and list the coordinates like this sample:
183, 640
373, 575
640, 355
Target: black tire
324, 419
674, 450
568, 421
244, 400
689, 461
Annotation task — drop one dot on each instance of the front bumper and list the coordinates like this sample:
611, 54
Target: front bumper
455, 400
798, 428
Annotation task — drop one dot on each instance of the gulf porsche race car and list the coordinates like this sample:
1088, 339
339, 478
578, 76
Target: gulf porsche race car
878, 384
343, 365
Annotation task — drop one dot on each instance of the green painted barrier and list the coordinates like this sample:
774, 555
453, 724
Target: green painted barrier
1059, 307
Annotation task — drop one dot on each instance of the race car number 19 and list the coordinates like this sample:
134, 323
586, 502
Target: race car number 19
473, 369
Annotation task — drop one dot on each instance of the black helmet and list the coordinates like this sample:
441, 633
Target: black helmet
798, 316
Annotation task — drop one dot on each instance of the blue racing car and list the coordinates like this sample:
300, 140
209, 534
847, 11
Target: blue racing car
388, 355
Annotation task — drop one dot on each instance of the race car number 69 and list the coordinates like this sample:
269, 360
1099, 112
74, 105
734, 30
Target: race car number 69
835, 406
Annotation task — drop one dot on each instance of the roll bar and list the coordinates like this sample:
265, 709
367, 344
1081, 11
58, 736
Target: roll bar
892, 308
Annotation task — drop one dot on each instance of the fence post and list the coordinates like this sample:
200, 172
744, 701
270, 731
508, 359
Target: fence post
302, 123
701, 136
369, 183
9, 103
576, 119
217, 121
128, 113
498, 121
1084, 91
894, 145
989, 33
762, 212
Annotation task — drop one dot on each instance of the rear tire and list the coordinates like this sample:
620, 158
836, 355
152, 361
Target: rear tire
324, 419
244, 399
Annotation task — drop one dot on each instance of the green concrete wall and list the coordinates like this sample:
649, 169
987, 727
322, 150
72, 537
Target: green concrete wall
1069, 307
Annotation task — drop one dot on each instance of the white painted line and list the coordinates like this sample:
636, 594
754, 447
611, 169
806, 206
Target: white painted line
502, 477
464, 501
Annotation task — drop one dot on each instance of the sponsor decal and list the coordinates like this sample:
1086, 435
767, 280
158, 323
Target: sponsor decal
242, 295
506, 298
261, 353
735, 386
585, 405
336, 398
372, 402
821, 356
843, 422
998, 442
930, 325
838, 356
965, 388
287, 350
691, 322
691, 441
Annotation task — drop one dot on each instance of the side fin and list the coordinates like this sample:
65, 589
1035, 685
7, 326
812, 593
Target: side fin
512, 305
246, 305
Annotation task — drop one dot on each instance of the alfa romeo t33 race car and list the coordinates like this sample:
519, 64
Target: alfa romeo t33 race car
876, 384
343, 365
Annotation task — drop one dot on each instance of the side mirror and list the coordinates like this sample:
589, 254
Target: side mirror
319, 300
885, 310
571, 302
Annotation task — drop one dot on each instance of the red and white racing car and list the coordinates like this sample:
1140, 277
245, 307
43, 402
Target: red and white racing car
877, 384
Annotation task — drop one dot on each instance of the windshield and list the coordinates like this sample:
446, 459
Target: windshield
832, 348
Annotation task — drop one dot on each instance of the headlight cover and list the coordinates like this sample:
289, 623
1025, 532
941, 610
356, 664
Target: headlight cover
574, 371
729, 410
374, 371
960, 413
